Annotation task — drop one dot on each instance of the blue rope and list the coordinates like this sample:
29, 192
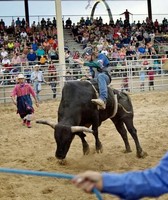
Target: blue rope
46, 174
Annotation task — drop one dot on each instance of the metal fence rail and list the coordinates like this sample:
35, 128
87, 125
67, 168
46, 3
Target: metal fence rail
119, 71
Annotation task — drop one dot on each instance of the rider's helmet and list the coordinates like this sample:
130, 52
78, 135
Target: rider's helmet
88, 51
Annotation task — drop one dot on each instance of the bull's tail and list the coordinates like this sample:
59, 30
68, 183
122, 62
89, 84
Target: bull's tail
46, 123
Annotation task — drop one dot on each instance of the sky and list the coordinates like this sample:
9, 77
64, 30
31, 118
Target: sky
76, 9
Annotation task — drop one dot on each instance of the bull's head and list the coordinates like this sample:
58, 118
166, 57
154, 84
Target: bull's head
63, 136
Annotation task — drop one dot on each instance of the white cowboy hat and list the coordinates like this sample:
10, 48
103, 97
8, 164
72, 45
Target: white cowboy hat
20, 76
36, 65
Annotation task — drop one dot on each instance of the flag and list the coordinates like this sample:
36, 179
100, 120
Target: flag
88, 5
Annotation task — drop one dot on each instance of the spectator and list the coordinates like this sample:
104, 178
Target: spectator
76, 55
122, 54
25, 48
87, 21
127, 15
27, 73
69, 76
6, 38
10, 46
4, 53
37, 79
51, 41
40, 52
52, 54
23, 34
24, 102
46, 45
68, 23
23, 59
16, 64
54, 22
2, 24
23, 23
151, 76
104, 51
129, 185
34, 46
16, 61
53, 85
18, 22
1, 41
33, 26
43, 60
49, 23
6, 64
142, 76
125, 83
51, 70
31, 57
43, 23
17, 46
115, 56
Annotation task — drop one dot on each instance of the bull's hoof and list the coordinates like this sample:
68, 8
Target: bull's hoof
86, 150
142, 154
99, 150
62, 162
127, 151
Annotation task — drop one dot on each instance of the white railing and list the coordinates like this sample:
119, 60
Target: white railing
117, 69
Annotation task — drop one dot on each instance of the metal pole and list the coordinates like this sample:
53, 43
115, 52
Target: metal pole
149, 9
26, 11
60, 42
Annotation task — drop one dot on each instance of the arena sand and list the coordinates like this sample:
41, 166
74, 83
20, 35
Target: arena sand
34, 149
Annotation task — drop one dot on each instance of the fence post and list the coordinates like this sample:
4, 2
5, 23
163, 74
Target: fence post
60, 42
4, 94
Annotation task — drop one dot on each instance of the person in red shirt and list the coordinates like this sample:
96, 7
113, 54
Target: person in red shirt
125, 83
21, 98
151, 76
51, 70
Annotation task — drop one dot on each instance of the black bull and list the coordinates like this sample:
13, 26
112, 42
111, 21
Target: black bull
77, 113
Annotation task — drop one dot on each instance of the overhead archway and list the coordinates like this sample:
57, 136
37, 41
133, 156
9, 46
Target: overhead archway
107, 8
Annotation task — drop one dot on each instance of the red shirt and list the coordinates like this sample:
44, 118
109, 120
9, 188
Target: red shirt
22, 89
151, 75
51, 68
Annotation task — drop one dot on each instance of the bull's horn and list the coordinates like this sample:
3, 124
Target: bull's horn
80, 129
46, 122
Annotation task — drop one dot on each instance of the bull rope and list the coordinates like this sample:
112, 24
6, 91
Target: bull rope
115, 106
124, 108
46, 174
97, 94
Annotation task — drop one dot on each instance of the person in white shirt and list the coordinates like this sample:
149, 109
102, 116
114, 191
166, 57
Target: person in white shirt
6, 61
37, 78
23, 35
4, 53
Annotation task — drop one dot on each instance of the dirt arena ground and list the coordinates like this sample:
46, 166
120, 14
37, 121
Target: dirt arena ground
34, 149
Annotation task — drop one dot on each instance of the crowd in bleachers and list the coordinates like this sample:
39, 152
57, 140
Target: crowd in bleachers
24, 45
122, 38
122, 41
